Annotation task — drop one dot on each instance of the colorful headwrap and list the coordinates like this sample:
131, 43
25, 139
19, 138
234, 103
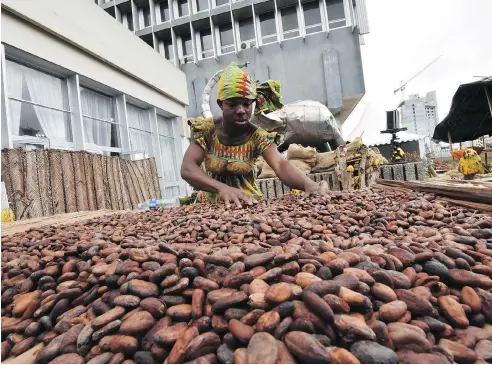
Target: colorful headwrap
235, 83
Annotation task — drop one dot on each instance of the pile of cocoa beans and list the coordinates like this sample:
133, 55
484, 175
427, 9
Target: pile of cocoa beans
365, 277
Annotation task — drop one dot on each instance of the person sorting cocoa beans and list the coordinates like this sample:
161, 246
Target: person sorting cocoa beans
230, 144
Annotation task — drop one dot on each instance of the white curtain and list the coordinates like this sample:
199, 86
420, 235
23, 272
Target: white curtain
167, 145
168, 155
165, 126
48, 90
98, 106
15, 81
138, 118
140, 141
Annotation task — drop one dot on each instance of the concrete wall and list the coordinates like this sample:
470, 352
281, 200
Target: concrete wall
297, 63
102, 51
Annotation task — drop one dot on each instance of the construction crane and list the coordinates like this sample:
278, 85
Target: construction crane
404, 84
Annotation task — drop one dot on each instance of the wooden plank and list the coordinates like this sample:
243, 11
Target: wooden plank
32, 186
153, 181
134, 179
56, 179
89, 180
68, 181
6, 178
472, 205
278, 188
155, 177
129, 184
43, 171
112, 183
17, 177
98, 181
124, 186
117, 182
271, 189
142, 179
9, 229
397, 172
105, 178
467, 192
410, 171
80, 181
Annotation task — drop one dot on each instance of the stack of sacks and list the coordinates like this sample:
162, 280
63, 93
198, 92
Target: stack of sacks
266, 172
324, 161
304, 158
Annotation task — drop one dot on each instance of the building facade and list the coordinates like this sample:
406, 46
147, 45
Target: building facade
311, 46
419, 114
66, 87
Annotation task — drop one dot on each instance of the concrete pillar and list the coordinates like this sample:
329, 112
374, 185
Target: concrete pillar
76, 119
333, 85
6, 130
122, 119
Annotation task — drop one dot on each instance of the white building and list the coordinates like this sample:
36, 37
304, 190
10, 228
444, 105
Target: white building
73, 78
419, 114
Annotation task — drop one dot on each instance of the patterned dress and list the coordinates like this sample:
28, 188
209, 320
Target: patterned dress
231, 165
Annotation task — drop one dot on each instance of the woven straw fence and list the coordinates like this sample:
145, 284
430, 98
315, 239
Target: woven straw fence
41, 183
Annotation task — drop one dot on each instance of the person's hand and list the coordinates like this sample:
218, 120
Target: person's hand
233, 195
315, 189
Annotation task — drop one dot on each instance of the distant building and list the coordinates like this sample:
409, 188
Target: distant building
419, 114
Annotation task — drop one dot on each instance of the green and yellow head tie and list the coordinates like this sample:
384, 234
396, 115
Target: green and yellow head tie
235, 83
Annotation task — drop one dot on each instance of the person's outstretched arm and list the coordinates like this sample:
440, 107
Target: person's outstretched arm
196, 177
287, 172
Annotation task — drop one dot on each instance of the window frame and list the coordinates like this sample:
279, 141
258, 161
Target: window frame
261, 37
19, 138
321, 22
214, 4
185, 58
114, 121
291, 31
220, 47
200, 50
138, 129
158, 11
177, 15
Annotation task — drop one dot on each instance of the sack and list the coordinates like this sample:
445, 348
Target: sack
301, 165
260, 161
296, 151
324, 161
266, 172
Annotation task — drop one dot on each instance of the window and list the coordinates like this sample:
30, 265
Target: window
201, 5
221, 2
247, 30
162, 9
187, 48
139, 127
206, 43
312, 17
336, 14
144, 17
268, 28
127, 20
183, 9
166, 48
290, 24
167, 145
100, 126
226, 38
38, 103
